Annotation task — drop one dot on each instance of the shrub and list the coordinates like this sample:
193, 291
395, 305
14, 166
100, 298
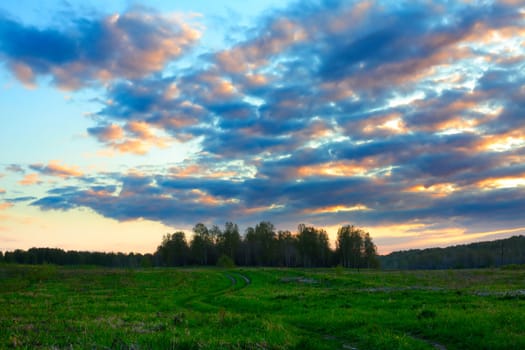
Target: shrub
225, 261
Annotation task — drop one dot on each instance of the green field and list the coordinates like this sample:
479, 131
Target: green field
52, 307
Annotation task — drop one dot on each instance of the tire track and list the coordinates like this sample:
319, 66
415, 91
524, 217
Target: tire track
245, 278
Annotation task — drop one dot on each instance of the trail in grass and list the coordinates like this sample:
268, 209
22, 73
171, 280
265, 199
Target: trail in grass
233, 276
205, 301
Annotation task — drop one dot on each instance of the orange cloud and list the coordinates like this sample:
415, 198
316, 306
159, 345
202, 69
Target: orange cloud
136, 137
250, 57
141, 129
187, 171
336, 209
256, 79
131, 146
30, 179
5, 205
64, 171
25, 74
99, 193
224, 88
435, 190
485, 35
207, 199
200, 171
54, 168
137, 56
111, 133
503, 142
502, 182
392, 123
340, 168
144, 132
317, 129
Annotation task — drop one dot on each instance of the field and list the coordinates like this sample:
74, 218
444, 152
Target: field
51, 307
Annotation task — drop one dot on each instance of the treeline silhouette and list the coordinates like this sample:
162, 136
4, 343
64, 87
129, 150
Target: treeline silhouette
475, 255
261, 245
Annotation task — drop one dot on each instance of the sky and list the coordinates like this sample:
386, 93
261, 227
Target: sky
122, 121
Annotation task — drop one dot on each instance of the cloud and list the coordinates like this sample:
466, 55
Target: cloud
328, 112
135, 137
15, 168
54, 168
185, 200
30, 179
107, 133
86, 51
20, 199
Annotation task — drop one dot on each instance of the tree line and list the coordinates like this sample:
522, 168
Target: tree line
261, 245
475, 255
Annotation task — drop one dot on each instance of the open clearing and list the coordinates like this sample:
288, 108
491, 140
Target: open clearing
52, 307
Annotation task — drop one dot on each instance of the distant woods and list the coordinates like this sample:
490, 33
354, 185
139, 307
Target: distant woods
503, 252
261, 245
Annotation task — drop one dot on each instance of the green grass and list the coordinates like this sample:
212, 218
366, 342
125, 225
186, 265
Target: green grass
50, 307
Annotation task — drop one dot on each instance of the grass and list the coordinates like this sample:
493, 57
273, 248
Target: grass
51, 307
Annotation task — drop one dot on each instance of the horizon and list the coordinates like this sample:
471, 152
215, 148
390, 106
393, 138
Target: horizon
379, 254
123, 122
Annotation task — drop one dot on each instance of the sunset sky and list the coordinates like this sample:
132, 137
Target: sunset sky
122, 121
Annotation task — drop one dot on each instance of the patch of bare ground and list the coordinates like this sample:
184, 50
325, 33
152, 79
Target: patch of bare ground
303, 280
519, 293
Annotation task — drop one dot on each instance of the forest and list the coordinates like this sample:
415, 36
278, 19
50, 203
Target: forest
261, 245
496, 253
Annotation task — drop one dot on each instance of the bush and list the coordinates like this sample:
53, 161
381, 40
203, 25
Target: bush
225, 261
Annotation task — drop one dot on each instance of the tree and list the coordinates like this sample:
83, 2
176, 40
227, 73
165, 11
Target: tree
146, 260
201, 244
249, 244
323, 248
287, 250
355, 248
265, 237
370, 252
174, 250
306, 244
313, 245
229, 240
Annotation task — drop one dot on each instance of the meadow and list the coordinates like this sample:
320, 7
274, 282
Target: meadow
50, 307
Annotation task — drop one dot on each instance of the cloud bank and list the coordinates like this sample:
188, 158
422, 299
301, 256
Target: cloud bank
328, 112
84, 51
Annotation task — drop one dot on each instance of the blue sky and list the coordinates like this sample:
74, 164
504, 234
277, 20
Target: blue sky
122, 121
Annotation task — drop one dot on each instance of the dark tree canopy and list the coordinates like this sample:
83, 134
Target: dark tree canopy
355, 248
